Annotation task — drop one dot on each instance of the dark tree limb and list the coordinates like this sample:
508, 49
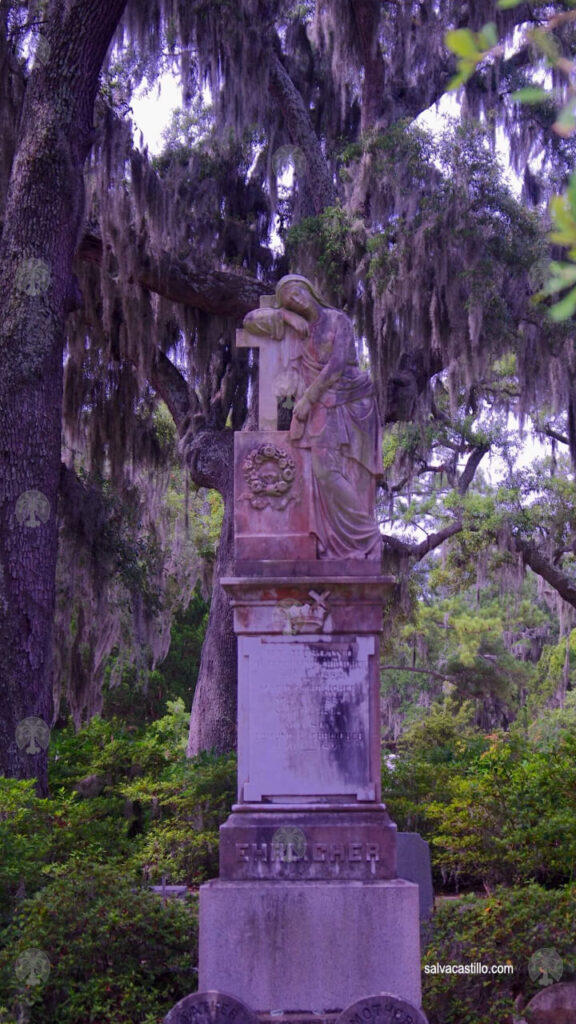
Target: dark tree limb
302, 133
167, 380
471, 466
555, 435
219, 292
557, 579
214, 291
42, 216
416, 552
367, 16
208, 455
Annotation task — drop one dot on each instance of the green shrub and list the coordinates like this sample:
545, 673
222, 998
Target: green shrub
497, 810
118, 954
189, 803
508, 927
26, 827
512, 819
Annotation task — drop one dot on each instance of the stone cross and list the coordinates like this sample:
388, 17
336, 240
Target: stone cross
277, 377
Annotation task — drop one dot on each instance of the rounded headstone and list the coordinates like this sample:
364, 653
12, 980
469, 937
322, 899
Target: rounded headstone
210, 1008
553, 1005
383, 1008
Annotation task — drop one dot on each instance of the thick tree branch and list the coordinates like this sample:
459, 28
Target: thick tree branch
416, 552
220, 292
303, 135
367, 16
471, 466
540, 565
555, 435
167, 380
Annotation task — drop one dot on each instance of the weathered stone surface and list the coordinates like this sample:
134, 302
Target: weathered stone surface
272, 487
280, 604
555, 1004
276, 1017
170, 892
383, 1008
414, 865
308, 355
305, 707
308, 915
309, 845
210, 1008
277, 376
309, 946
345, 569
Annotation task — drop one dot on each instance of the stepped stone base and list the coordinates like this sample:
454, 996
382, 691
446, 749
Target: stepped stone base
309, 947
299, 845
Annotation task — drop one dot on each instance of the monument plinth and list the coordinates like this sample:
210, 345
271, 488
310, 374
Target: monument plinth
308, 914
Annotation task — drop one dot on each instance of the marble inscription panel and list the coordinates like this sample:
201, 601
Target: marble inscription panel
304, 717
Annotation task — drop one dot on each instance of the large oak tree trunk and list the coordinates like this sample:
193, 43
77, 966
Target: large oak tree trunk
43, 216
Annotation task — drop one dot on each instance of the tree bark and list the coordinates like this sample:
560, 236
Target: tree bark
42, 219
302, 133
557, 579
210, 457
367, 17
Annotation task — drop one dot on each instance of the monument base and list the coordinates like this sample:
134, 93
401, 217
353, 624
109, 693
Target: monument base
309, 947
305, 845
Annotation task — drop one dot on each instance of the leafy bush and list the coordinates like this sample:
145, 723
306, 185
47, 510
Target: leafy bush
26, 826
117, 953
497, 809
508, 927
512, 819
434, 752
189, 803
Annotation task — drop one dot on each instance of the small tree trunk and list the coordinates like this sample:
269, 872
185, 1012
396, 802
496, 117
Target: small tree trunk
213, 716
210, 457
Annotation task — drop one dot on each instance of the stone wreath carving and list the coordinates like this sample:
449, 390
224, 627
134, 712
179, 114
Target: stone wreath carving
269, 473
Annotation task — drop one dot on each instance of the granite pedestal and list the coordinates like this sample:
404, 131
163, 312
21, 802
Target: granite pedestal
311, 946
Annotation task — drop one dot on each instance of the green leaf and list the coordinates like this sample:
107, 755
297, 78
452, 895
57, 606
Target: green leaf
488, 36
564, 309
571, 193
530, 94
507, 5
457, 81
545, 44
566, 122
566, 273
462, 42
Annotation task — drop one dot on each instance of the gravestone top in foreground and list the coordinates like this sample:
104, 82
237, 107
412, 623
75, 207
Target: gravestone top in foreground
384, 1008
555, 1004
210, 1008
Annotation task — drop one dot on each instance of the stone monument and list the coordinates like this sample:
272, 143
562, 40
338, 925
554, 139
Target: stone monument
308, 914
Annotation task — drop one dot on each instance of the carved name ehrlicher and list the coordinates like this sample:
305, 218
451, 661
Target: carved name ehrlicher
315, 852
